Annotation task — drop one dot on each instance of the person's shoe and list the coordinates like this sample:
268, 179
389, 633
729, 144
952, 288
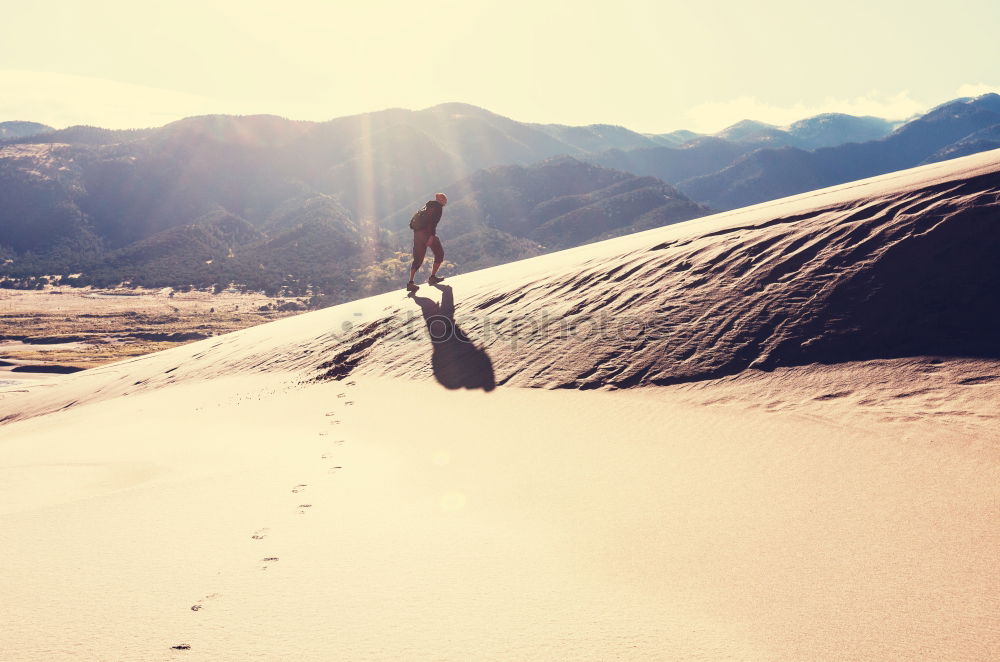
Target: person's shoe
411, 286
434, 280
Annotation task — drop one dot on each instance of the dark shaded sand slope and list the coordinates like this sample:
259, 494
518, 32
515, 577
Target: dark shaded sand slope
900, 273
891, 271
899, 265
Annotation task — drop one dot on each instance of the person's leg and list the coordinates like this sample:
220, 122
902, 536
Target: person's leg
438, 250
419, 250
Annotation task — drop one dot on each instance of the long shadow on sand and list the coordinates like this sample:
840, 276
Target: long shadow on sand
456, 360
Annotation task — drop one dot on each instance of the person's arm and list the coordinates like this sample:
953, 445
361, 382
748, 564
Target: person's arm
435, 211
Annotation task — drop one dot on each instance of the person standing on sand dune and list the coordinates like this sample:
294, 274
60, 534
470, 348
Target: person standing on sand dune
424, 226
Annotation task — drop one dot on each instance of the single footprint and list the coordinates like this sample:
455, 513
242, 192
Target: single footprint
198, 606
341, 395
260, 534
269, 559
298, 488
323, 434
349, 402
333, 469
181, 647
351, 383
303, 506
331, 413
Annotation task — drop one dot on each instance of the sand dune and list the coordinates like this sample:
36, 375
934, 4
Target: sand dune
788, 452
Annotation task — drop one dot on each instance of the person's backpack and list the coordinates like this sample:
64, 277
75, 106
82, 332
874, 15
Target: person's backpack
419, 220
427, 216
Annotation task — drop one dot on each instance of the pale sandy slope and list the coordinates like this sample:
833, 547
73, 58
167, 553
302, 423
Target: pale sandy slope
308, 489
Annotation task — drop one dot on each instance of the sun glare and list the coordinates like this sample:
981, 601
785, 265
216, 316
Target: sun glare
650, 66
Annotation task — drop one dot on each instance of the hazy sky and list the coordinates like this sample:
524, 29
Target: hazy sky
650, 66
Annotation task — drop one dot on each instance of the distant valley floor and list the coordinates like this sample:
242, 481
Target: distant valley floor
65, 329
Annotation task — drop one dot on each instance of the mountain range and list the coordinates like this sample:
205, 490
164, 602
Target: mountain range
269, 203
954, 129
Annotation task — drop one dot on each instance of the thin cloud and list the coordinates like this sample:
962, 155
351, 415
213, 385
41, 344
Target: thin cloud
715, 116
61, 100
976, 89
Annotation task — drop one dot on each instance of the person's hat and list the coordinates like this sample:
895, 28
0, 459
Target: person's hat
442, 198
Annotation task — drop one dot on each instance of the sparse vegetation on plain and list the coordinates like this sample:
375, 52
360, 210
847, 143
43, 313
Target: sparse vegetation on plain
83, 327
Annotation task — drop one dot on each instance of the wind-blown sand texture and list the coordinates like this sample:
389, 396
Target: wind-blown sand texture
790, 453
